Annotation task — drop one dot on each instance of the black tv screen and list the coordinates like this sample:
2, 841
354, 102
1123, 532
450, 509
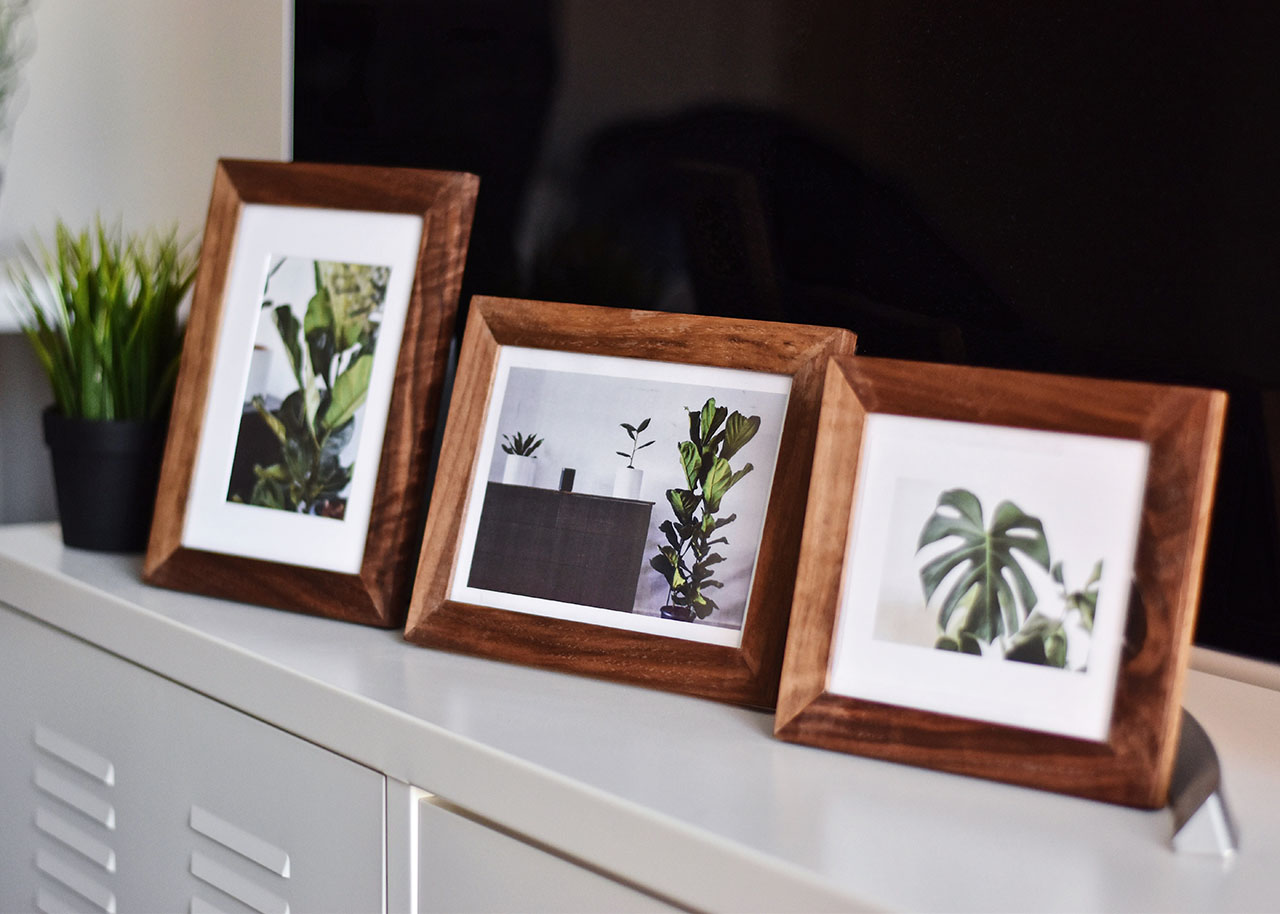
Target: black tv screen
1060, 187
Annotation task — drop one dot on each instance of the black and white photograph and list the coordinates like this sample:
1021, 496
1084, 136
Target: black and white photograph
989, 572
308, 382
622, 492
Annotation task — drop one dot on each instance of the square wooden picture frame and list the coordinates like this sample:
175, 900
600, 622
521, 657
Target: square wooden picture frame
309, 386
1120, 469
541, 575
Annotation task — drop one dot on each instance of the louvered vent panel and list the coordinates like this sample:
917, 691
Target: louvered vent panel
217, 862
76, 821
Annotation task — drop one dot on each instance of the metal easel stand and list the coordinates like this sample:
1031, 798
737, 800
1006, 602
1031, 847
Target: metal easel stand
1202, 820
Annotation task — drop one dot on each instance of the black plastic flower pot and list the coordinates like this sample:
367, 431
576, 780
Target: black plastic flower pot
679, 613
105, 474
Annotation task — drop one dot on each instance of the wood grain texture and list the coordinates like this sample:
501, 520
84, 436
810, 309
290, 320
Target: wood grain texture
379, 594
1183, 428
747, 675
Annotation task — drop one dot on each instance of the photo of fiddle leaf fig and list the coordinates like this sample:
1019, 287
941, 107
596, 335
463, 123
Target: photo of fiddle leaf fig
687, 558
984, 577
308, 382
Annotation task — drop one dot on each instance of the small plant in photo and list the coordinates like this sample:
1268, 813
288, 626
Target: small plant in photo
991, 606
1075, 624
330, 352
687, 561
634, 432
100, 309
1085, 600
521, 445
1060, 640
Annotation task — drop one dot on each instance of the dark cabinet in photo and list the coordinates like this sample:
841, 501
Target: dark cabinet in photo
566, 546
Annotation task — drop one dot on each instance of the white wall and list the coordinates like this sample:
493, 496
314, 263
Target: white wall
129, 103
127, 106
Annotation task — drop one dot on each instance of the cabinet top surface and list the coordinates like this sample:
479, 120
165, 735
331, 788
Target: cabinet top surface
566, 494
691, 796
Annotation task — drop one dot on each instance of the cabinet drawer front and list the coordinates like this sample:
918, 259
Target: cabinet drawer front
128, 792
467, 867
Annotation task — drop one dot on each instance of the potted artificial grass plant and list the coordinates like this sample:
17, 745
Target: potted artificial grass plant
100, 308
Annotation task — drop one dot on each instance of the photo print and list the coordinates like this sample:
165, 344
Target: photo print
622, 492
308, 382
989, 572
291, 438
985, 579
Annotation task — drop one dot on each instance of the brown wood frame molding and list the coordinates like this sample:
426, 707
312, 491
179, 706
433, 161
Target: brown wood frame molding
1182, 427
747, 675
378, 594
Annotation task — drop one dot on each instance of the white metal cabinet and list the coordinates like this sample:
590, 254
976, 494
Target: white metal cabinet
467, 867
577, 769
125, 791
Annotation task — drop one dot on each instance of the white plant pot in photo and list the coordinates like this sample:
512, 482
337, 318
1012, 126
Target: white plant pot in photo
626, 483
519, 470
259, 371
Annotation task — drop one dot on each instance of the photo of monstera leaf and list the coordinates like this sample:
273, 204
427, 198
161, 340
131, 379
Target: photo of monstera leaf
990, 596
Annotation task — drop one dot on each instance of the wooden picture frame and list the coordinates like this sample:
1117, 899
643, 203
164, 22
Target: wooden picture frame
838, 609
618, 357
330, 290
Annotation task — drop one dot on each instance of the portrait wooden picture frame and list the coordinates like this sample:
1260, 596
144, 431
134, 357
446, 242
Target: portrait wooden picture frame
1101, 455
308, 391
588, 380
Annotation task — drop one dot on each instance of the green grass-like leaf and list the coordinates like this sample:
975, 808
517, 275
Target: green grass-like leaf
100, 309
